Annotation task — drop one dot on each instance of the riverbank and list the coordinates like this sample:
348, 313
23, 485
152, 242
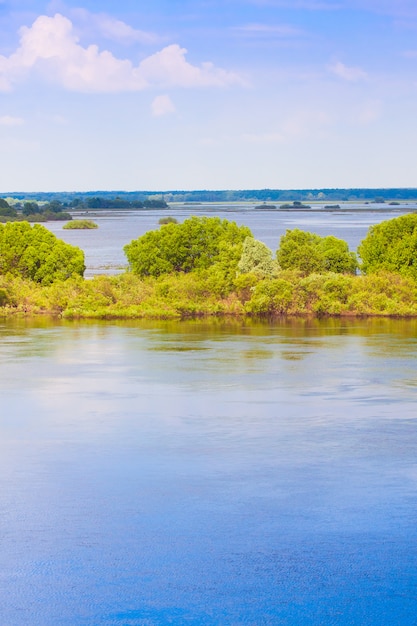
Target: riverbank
206, 294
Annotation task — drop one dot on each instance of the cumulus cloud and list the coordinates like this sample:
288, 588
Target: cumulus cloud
10, 120
162, 105
351, 74
51, 48
110, 28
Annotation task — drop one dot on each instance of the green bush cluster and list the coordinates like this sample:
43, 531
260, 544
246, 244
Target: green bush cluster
208, 266
310, 253
196, 244
80, 225
34, 253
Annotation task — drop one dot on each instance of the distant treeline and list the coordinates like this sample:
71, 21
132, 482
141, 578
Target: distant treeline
14, 209
104, 202
154, 199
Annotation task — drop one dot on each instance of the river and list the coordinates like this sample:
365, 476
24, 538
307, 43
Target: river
103, 247
208, 473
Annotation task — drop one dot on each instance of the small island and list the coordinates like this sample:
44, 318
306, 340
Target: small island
80, 225
295, 205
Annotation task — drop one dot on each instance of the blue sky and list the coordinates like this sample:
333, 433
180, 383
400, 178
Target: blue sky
210, 94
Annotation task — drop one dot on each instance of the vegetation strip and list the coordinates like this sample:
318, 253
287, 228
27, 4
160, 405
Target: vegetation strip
208, 266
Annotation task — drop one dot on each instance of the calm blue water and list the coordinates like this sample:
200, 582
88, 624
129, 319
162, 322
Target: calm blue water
208, 473
104, 247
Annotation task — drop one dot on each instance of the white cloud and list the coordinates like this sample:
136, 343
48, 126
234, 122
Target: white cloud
351, 74
51, 48
111, 28
261, 30
169, 67
162, 105
10, 120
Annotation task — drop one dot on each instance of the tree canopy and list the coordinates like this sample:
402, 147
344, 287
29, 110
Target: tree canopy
197, 243
257, 258
309, 253
35, 253
6, 210
392, 246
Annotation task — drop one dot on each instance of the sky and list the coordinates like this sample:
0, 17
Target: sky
207, 94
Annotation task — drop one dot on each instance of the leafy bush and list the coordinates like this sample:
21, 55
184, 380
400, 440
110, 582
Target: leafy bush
311, 253
35, 253
391, 246
80, 225
257, 258
167, 220
197, 243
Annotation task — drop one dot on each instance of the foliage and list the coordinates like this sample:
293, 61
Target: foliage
196, 244
80, 225
121, 203
257, 258
392, 246
295, 205
36, 254
183, 295
168, 220
30, 208
6, 210
271, 297
310, 253
58, 216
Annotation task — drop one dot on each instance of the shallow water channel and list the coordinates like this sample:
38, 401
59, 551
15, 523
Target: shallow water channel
208, 473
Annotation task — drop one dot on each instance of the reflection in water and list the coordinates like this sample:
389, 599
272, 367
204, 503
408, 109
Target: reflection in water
208, 472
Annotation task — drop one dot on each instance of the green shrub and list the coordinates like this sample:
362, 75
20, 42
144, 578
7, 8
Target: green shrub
33, 252
311, 253
80, 225
391, 246
197, 243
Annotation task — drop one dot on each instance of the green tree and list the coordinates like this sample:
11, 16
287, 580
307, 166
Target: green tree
197, 243
55, 206
167, 220
35, 253
30, 208
392, 246
6, 210
308, 253
257, 258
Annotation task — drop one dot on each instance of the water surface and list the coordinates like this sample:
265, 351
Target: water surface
208, 473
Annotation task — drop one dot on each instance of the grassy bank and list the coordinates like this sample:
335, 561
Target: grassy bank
178, 296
